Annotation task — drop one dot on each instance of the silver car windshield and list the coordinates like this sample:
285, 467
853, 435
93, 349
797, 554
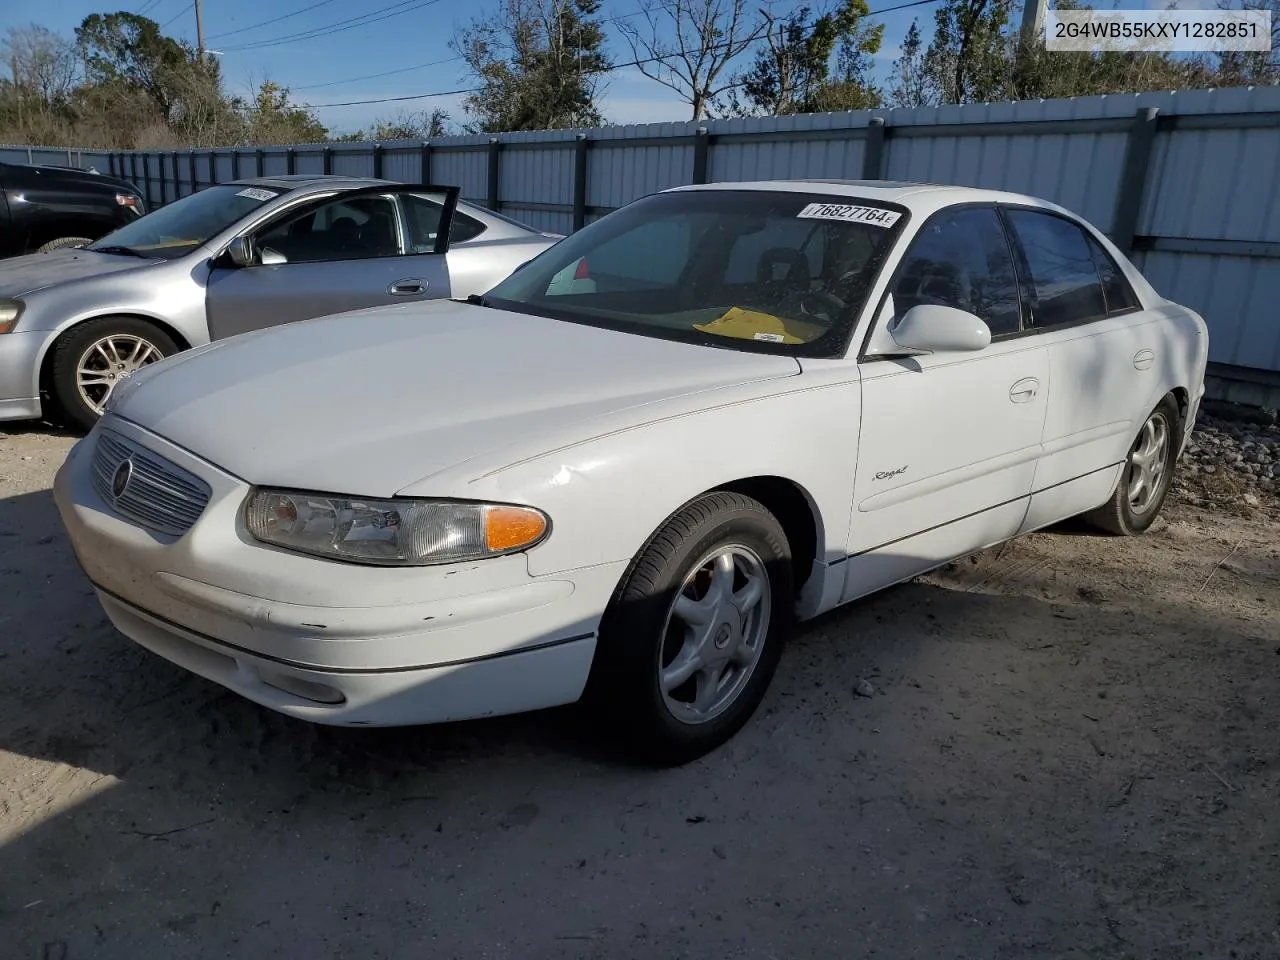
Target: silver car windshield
776, 272
177, 229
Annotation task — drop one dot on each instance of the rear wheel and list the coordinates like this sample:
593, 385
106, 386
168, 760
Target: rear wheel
1147, 474
62, 242
93, 358
693, 635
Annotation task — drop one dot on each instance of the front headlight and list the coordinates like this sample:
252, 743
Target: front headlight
391, 532
10, 311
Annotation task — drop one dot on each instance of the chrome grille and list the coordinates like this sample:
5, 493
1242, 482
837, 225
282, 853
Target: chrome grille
158, 494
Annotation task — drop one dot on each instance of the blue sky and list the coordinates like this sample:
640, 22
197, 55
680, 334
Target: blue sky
322, 70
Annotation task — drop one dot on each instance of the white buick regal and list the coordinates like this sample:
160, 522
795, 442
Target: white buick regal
622, 474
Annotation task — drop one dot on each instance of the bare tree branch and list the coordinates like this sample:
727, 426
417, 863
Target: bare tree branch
686, 45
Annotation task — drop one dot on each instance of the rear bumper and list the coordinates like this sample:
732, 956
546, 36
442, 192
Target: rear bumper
19, 374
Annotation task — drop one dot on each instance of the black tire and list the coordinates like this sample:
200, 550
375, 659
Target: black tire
62, 242
636, 637
77, 342
1118, 515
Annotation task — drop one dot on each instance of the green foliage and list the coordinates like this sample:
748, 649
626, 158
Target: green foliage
792, 70
123, 84
539, 64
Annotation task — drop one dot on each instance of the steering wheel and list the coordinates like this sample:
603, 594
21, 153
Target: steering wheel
822, 306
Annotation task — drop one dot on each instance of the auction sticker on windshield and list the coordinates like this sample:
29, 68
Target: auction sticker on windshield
253, 193
875, 216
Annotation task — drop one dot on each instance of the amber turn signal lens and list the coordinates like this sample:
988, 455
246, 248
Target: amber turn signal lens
508, 528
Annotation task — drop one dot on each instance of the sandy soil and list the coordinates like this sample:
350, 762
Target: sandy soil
1072, 751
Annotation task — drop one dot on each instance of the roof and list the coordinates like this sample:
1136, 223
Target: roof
920, 197
294, 181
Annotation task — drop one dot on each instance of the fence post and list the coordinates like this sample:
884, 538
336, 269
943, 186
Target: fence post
377, 161
213, 167
146, 178
873, 150
580, 148
701, 143
191, 165
260, 163
290, 161
164, 186
424, 163
1133, 178
328, 161
235, 164
495, 148
177, 177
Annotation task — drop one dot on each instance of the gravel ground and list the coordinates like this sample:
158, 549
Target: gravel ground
1065, 747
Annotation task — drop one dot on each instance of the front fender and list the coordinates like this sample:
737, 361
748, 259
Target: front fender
607, 496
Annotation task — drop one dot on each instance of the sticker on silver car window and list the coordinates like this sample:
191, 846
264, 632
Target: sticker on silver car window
875, 216
254, 193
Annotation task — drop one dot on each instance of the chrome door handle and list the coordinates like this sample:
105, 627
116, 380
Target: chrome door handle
1143, 359
1024, 390
407, 288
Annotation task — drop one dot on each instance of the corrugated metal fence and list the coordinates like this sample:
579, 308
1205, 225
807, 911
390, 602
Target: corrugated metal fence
1187, 181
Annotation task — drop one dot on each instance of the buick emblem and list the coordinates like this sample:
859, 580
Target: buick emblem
120, 481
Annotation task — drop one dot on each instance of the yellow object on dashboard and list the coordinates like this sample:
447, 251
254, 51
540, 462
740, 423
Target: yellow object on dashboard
754, 325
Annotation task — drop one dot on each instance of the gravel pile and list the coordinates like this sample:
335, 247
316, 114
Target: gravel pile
1231, 464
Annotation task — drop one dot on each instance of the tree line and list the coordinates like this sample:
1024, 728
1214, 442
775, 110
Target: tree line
121, 83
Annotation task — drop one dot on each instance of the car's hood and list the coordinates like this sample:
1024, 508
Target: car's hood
370, 402
22, 276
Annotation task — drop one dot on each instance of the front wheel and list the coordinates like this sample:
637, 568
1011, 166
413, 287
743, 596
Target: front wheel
93, 358
694, 632
1146, 477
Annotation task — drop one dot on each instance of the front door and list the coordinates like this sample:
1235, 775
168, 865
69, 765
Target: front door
360, 249
949, 441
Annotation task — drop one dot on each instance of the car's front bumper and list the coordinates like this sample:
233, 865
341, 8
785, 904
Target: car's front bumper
19, 374
392, 645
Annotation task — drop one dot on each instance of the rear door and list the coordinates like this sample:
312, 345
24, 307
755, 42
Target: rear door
1104, 360
361, 248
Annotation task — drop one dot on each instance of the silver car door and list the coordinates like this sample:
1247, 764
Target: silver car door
342, 253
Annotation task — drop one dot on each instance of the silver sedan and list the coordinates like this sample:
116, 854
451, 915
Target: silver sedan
232, 258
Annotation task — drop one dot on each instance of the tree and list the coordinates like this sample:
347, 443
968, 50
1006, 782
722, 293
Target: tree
791, 72
540, 65
968, 60
270, 118
42, 63
411, 126
910, 84
124, 47
688, 45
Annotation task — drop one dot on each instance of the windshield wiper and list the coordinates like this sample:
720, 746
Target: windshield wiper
476, 300
122, 251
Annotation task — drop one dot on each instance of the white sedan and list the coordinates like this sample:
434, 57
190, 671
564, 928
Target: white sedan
622, 474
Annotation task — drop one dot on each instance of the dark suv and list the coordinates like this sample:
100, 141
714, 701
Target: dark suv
45, 207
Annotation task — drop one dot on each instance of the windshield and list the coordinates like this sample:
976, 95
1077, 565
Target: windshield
185, 224
750, 270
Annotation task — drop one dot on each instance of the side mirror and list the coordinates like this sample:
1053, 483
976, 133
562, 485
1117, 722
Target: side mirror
240, 250
933, 328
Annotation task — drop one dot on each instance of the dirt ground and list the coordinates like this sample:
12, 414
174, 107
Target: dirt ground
1072, 751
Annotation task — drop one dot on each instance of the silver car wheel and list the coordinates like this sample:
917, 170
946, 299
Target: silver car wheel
714, 633
1148, 460
108, 361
